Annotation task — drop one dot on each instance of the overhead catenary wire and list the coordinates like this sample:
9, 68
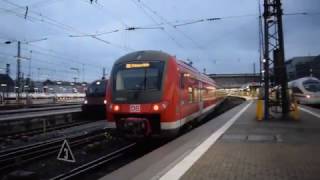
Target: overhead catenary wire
199, 21
55, 54
170, 24
131, 28
53, 22
37, 63
103, 9
157, 23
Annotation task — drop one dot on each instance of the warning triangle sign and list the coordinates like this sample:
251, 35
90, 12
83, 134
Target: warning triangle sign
65, 153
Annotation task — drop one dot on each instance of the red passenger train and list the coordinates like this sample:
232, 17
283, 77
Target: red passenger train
152, 94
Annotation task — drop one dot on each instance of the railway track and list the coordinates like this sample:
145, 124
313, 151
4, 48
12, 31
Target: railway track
33, 121
95, 163
15, 157
38, 109
37, 114
33, 132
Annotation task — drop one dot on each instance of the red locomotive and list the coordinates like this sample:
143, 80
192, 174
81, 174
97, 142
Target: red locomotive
152, 94
94, 103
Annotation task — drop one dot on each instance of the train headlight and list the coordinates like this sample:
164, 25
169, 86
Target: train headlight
155, 107
308, 96
116, 108
105, 101
85, 102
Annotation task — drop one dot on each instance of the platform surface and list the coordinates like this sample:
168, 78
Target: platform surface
238, 147
263, 150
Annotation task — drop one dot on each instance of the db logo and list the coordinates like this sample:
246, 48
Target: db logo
135, 108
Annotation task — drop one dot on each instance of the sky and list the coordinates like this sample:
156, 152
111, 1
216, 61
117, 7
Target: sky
228, 45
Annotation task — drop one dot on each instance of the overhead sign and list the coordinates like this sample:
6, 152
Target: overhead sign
65, 153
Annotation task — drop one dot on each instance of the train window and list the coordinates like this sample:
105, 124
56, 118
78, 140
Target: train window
197, 96
201, 94
312, 85
190, 93
296, 90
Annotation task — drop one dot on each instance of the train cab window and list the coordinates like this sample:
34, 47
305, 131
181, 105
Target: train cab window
96, 88
139, 78
312, 85
296, 90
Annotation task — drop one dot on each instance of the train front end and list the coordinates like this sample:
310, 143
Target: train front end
140, 95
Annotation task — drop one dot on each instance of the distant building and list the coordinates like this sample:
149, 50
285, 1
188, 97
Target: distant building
6, 83
299, 67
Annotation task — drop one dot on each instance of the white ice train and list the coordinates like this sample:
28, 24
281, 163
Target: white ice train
306, 90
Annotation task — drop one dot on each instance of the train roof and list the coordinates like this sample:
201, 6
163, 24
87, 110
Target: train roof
144, 55
161, 56
304, 79
196, 72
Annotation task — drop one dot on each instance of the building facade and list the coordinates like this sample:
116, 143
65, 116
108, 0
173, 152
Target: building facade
303, 66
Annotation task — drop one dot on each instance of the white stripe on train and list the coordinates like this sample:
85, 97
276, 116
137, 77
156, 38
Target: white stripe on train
176, 124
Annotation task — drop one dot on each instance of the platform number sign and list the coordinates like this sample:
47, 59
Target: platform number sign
65, 153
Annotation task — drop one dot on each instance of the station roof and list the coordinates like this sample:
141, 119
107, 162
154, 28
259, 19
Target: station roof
235, 80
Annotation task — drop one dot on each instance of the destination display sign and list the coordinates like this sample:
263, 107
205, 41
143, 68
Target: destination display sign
137, 65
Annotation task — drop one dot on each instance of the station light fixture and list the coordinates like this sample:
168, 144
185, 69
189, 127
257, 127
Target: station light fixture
105, 101
85, 102
308, 96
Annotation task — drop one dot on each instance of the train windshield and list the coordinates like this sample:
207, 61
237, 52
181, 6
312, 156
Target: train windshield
139, 76
312, 85
97, 88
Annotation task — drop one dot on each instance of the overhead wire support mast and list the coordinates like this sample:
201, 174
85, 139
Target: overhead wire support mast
274, 44
18, 78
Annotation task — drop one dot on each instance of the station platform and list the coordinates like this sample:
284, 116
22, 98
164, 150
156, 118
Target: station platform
235, 145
